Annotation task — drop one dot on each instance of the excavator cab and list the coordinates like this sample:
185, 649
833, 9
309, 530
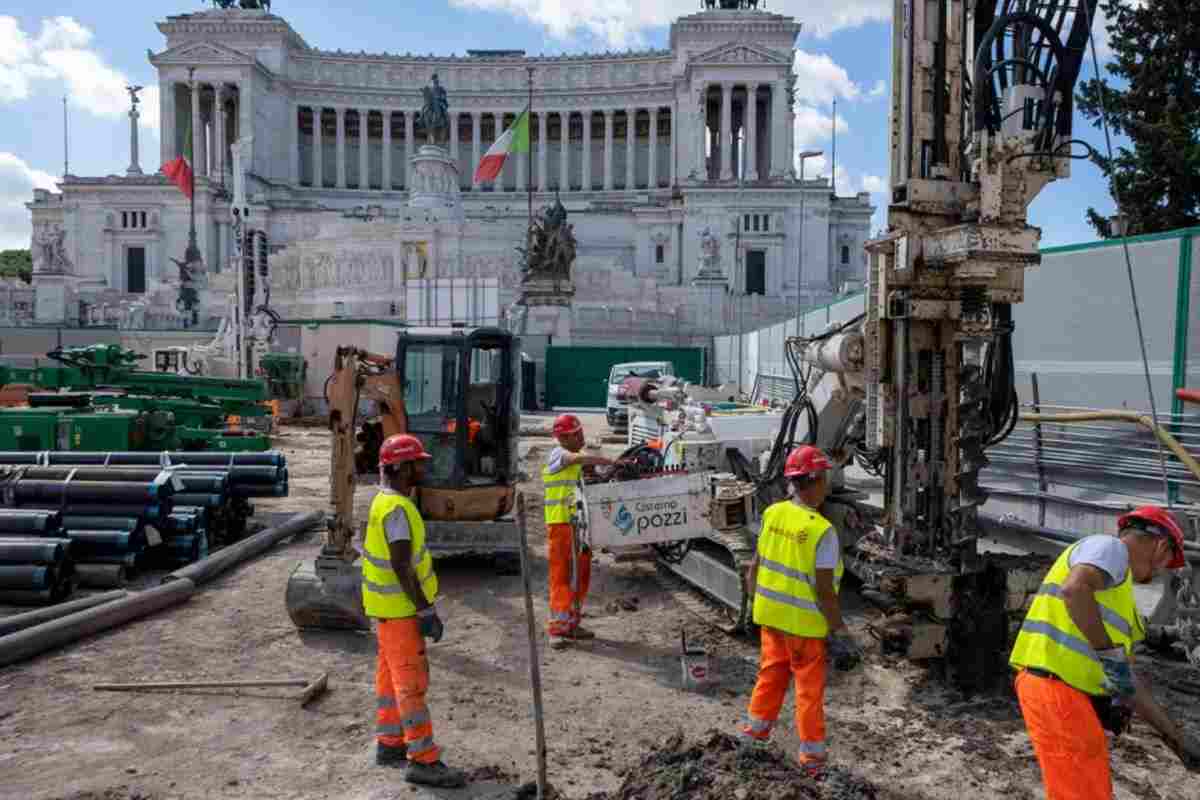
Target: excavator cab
460, 392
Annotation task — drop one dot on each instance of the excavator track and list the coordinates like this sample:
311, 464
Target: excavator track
716, 566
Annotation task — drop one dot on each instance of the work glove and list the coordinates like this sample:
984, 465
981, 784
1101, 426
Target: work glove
844, 651
431, 624
1118, 673
1188, 750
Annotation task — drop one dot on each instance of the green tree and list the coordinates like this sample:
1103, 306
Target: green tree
16, 264
1154, 101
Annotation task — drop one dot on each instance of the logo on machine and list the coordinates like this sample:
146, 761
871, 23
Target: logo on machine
624, 520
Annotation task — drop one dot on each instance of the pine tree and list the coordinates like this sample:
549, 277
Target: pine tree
1154, 100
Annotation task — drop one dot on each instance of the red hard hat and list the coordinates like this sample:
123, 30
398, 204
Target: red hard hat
1162, 523
566, 424
806, 460
400, 448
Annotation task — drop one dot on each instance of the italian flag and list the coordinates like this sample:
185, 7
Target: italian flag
179, 171
514, 140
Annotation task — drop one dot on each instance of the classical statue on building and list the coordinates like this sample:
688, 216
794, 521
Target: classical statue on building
710, 252
265, 5
551, 246
50, 251
435, 113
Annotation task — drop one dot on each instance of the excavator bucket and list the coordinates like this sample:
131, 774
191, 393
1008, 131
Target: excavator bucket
326, 593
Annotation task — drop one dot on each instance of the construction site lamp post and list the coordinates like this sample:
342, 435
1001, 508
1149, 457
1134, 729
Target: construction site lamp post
240, 211
803, 154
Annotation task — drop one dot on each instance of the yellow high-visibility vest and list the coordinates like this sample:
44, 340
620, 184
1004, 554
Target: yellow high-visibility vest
559, 502
785, 594
383, 596
1050, 639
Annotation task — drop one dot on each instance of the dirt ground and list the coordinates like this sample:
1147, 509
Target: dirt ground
613, 706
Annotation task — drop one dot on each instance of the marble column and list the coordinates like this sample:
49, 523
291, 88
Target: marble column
410, 133
197, 126
293, 141
703, 135
524, 163
608, 149
245, 125
341, 147
543, 146
652, 159
751, 116
364, 140
221, 160
454, 120
169, 147
630, 149
779, 158
564, 151
476, 141
726, 138
318, 149
673, 149
587, 150
386, 180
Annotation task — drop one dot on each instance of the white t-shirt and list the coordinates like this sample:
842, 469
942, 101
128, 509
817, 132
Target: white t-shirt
828, 549
554, 462
1106, 553
395, 524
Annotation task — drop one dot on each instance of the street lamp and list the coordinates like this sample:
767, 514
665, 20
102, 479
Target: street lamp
803, 154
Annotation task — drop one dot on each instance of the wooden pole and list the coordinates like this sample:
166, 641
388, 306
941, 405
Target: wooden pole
535, 671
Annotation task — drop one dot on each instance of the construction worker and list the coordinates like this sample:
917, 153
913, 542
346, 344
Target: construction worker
795, 577
570, 562
398, 590
1074, 655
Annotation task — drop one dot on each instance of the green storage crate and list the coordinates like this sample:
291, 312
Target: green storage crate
105, 431
29, 429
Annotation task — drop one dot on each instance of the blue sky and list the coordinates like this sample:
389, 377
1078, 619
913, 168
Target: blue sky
90, 49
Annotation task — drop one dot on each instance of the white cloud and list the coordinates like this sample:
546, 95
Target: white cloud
17, 182
623, 23
879, 89
874, 184
62, 52
819, 80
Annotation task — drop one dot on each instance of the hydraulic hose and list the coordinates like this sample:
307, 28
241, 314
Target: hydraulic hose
1169, 441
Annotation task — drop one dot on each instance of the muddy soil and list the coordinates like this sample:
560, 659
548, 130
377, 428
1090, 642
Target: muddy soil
612, 705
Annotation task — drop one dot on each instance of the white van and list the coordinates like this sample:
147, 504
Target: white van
618, 415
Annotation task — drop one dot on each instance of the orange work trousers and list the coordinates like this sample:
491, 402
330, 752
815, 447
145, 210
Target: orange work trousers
1067, 737
401, 680
566, 569
784, 657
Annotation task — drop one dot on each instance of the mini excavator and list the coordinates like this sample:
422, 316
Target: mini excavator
453, 388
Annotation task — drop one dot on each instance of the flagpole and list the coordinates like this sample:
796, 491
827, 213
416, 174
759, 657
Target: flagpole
529, 155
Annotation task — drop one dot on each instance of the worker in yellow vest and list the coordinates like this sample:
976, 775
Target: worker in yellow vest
795, 577
570, 561
1075, 649
398, 590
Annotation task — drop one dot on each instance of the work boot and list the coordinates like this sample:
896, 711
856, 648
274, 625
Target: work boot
436, 774
580, 633
391, 756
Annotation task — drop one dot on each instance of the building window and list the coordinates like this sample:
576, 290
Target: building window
135, 270
133, 220
756, 272
845, 254
746, 222
766, 223
659, 256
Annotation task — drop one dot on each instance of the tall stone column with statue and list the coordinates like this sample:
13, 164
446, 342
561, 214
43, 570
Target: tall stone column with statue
435, 177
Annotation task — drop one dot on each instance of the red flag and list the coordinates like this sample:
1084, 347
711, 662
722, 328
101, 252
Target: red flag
179, 171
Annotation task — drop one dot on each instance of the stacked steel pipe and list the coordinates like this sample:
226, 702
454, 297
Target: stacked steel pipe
125, 511
36, 564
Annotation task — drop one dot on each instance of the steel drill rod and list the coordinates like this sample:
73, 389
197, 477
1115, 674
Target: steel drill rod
535, 672
94, 523
28, 619
28, 491
30, 642
29, 520
28, 577
208, 568
148, 512
134, 687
